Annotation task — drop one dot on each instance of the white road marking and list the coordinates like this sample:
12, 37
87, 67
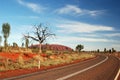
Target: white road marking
73, 74
118, 73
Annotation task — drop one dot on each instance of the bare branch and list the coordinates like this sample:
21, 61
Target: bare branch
32, 38
41, 33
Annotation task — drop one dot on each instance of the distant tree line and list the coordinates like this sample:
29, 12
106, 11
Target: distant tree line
106, 51
109, 50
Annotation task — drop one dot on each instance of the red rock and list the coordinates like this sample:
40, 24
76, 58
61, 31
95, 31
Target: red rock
54, 47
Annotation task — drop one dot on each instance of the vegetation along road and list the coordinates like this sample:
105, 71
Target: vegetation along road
99, 68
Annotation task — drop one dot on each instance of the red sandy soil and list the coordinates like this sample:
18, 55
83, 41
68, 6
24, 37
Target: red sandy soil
12, 73
15, 56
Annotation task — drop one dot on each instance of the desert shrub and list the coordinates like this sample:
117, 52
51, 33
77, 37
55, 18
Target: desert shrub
51, 62
35, 50
43, 50
32, 63
2, 68
15, 45
86, 56
2, 65
46, 63
66, 52
1, 49
56, 62
20, 60
49, 52
13, 66
74, 56
38, 58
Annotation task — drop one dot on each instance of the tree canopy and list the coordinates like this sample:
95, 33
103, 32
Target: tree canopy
6, 32
79, 47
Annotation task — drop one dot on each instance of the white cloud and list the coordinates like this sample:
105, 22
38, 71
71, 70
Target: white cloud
82, 39
79, 27
73, 9
94, 12
72, 40
68, 9
35, 7
113, 35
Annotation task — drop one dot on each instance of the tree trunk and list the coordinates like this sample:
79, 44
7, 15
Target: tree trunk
40, 51
5, 43
39, 64
40, 46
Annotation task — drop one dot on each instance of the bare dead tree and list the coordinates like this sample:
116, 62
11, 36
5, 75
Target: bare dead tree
41, 33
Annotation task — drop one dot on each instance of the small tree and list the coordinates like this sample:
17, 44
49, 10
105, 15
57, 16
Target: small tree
109, 51
105, 50
113, 50
6, 32
15, 45
26, 42
22, 45
98, 50
41, 33
79, 47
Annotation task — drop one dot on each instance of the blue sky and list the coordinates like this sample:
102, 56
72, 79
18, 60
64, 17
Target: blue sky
94, 24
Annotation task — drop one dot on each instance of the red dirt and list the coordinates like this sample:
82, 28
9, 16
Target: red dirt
15, 56
12, 73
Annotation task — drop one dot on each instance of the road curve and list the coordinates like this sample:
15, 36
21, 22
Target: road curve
100, 68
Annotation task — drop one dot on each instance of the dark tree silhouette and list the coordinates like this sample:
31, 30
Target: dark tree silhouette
98, 50
6, 32
109, 51
105, 50
79, 47
26, 42
113, 50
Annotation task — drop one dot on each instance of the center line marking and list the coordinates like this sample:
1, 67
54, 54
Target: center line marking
73, 74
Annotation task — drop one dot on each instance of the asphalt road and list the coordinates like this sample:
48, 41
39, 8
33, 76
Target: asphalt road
100, 68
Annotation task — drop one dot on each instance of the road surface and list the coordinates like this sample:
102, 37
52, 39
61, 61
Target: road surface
100, 68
